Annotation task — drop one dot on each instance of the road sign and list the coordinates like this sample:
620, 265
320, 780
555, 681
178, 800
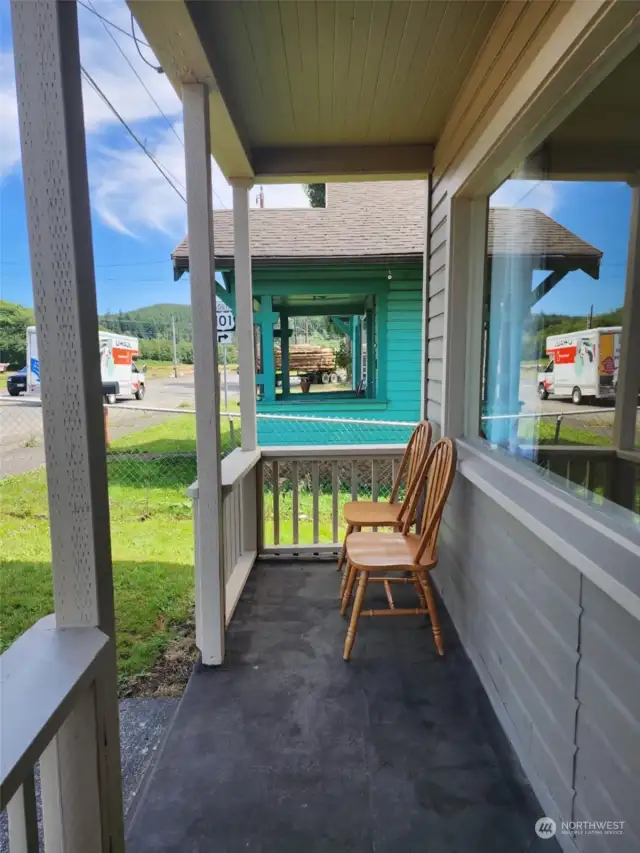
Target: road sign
226, 322
225, 337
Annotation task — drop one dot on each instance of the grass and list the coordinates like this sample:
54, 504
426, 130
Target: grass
152, 544
543, 431
3, 380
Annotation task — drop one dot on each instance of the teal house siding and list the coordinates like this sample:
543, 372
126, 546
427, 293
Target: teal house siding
397, 380
358, 260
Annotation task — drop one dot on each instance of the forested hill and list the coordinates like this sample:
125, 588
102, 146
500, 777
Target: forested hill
541, 326
154, 321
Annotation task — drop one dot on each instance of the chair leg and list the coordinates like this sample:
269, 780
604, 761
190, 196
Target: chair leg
343, 553
355, 614
419, 591
352, 573
433, 613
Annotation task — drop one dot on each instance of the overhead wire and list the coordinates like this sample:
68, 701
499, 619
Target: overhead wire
157, 68
111, 24
162, 169
131, 66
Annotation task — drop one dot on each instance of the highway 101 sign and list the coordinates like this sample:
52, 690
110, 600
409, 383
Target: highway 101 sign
226, 324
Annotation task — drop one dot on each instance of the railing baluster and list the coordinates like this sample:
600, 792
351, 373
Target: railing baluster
375, 468
295, 502
239, 524
315, 490
23, 818
354, 479
394, 470
335, 486
276, 502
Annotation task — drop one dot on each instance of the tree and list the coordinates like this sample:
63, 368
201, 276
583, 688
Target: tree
14, 320
316, 193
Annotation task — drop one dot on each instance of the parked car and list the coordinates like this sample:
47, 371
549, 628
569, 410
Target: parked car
17, 382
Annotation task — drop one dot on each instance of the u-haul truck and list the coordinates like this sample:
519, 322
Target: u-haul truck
118, 371
583, 364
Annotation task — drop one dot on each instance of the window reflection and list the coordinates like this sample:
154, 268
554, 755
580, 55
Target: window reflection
553, 322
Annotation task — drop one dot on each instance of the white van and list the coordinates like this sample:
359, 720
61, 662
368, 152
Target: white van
118, 371
583, 364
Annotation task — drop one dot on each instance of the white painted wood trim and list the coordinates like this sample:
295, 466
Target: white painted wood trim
607, 554
320, 549
237, 581
237, 465
333, 451
41, 675
210, 587
71, 793
23, 818
60, 242
244, 316
624, 426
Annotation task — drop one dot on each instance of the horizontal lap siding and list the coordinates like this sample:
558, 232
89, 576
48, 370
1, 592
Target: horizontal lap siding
437, 288
608, 732
516, 606
404, 343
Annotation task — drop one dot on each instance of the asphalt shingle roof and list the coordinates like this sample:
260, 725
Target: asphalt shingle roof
378, 223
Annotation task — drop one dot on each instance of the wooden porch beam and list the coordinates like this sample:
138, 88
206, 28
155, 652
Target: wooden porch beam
341, 163
172, 30
210, 585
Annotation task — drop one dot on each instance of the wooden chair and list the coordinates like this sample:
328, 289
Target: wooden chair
403, 552
391, 513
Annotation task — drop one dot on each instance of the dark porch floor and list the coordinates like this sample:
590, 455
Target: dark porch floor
287, 749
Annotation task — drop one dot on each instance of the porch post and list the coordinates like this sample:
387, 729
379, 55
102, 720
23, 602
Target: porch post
624, 430
80, 769
284, 350
210, 587
244, 313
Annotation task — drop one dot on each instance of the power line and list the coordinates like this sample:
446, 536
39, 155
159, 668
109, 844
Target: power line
111, 24
165, 174
141, 81
157, 68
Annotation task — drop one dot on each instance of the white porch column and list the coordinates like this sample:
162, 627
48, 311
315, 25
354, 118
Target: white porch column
81, 811
244, 312
624, 430
210, 584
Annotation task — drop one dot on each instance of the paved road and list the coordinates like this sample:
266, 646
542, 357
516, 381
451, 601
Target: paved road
21, 441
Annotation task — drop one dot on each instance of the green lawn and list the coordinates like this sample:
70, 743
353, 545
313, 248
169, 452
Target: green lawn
152, 543
543, 432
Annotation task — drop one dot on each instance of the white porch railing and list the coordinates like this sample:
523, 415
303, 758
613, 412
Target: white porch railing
305, 488
240, 530
48, 714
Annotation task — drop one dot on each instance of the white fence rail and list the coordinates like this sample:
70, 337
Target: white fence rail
48, 703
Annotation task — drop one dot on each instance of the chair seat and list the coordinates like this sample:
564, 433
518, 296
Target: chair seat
385, 552
371, 513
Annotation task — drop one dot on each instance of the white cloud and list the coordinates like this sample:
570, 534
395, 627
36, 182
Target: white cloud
128, 193
541, 195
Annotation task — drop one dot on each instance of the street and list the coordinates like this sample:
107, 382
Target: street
21, 437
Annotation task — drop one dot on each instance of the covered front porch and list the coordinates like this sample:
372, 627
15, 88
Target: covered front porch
286, 748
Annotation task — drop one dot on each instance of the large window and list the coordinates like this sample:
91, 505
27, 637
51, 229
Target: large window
560, 374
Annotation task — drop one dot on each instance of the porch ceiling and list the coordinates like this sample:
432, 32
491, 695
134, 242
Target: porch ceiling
321, 89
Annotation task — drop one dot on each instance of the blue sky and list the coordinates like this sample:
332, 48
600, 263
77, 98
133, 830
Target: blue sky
137, 217
598, 213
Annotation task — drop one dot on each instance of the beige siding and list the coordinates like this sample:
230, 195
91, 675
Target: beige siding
437, 289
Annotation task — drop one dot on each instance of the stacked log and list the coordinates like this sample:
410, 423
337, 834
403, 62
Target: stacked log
306, 358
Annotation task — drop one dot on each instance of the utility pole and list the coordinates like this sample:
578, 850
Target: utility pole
175, 347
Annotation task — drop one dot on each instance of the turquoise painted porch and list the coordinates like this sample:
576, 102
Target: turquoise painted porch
390, 300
